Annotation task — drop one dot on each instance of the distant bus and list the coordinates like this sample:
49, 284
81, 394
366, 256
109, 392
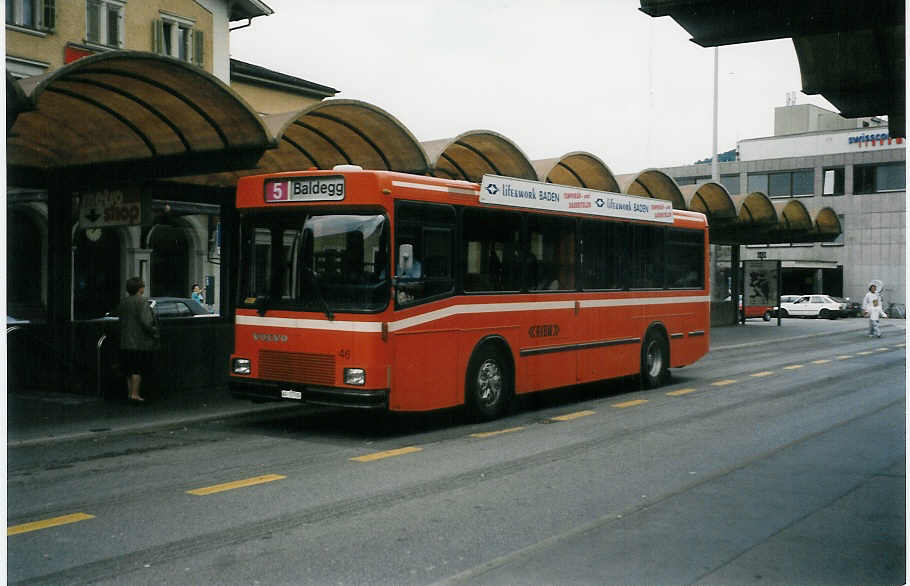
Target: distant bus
377, 289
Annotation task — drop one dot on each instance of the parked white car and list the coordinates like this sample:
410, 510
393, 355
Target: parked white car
822, 306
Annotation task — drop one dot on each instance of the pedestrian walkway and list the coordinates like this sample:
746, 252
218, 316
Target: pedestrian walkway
36, 418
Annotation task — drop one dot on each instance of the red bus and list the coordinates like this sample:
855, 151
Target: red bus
378, 289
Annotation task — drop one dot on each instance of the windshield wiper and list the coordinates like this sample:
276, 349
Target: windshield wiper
314, 279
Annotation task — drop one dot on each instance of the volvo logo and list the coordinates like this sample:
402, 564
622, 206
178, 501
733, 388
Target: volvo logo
270, 337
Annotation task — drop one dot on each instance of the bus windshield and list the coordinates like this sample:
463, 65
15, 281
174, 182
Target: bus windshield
305, 261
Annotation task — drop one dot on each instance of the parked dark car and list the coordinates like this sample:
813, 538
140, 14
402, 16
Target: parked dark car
851, 308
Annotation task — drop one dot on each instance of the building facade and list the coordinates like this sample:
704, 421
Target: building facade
852, 166
180, 245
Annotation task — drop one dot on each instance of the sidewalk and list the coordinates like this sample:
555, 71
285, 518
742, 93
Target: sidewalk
37, 419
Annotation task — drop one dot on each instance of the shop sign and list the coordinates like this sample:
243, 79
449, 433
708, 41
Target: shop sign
563, 198
873, 140
115, 206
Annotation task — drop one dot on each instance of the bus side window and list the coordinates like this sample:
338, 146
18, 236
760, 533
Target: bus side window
490, 240
424, 233
551, 241
685, 259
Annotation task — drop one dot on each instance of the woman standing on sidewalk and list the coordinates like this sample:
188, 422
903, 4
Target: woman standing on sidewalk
138, 335
872, 308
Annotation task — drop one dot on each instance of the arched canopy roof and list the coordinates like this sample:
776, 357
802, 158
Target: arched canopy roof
579, 169
755, 208
130, 114
653, 183
473, 154
711, 199
793, 216
338, 132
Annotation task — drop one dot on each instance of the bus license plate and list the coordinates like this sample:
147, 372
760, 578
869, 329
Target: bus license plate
285, 394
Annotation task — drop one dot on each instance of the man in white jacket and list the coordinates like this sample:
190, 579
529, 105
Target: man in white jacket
872, 308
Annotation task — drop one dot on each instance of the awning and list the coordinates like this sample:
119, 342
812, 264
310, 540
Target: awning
338, 132
471, 155
579, 169
653, 183
127, 114
711, 199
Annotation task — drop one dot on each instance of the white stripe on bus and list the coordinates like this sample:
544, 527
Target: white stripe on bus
445, 188
374, 327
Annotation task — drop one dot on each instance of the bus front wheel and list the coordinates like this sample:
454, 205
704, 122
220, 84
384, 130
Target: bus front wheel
655, 360
489, 384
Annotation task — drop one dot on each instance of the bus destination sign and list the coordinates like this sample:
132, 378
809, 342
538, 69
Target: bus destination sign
563, 198
320, 188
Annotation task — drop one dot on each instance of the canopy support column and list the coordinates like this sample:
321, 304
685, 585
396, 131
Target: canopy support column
60, 278
736, 285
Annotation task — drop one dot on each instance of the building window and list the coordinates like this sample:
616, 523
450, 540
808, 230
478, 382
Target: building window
784, 183
730, 183
879, 178
37, 15
834, 181
778, 185
19, 68
104, 22
758, 182
177, 37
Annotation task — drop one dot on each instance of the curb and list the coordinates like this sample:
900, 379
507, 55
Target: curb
236, 413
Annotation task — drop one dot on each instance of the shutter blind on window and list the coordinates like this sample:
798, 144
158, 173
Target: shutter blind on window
198, 48
158, 36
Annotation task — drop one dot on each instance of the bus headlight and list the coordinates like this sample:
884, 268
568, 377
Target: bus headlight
241, 366
355, 376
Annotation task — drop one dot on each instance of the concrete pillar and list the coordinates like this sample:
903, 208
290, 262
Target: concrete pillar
60, 279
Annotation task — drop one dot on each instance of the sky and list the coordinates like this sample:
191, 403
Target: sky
552, 76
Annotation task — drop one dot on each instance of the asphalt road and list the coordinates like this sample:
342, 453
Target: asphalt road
773, 464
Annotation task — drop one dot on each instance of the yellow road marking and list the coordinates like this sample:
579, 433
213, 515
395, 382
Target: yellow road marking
236, 484
866, 353
723, 383
763, 373
629, 403
500, 432
681, 392
822, 361
387, 454
793, 367
56, 521
571, 416
845, 356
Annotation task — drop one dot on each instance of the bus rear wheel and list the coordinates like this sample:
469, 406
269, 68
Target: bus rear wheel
655, 360
488, 385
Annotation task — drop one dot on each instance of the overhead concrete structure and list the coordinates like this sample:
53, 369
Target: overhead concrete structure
126, 114
579, 169
652, 183
471, 155
852, 53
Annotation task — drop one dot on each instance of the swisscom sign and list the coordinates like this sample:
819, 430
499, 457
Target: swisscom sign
561, 198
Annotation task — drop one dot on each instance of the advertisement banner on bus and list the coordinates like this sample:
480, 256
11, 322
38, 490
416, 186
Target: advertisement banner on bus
562, 198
